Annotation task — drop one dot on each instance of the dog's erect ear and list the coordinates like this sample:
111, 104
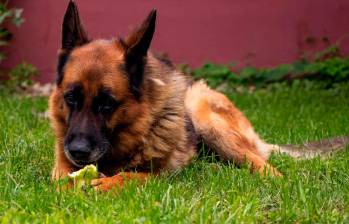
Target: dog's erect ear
138, 41
73, 33
136, 48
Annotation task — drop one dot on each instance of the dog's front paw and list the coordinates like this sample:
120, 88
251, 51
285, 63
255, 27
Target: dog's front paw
107, 183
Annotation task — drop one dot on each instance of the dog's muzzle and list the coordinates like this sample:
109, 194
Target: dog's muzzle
81, 153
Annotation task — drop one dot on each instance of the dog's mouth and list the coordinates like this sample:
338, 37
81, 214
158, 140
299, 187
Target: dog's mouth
95, 156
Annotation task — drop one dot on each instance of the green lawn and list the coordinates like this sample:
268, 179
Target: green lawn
207, 191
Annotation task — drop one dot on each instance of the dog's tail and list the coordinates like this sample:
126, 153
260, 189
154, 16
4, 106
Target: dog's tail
312, 149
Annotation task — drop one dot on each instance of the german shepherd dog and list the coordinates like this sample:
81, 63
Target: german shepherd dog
131, 113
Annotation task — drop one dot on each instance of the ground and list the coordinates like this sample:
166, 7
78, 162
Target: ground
208, 191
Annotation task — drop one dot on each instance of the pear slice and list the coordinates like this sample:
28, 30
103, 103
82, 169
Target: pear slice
84, 176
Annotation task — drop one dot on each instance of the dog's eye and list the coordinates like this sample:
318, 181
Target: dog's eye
105, 109
107, 105
70, 99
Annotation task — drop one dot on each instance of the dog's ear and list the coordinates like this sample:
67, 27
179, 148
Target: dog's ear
136, 47
73, 35
138, 42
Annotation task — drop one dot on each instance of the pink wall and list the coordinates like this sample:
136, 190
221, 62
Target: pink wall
262, 33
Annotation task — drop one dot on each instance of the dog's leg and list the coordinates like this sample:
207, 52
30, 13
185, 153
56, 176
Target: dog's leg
118, 181
224, 128
62, 166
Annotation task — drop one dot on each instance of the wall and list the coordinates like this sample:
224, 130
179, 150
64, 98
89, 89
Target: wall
262, 33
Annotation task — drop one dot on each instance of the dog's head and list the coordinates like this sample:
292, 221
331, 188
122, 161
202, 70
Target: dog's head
101, 84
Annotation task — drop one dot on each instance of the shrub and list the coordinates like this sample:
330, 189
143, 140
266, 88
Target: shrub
327, 67
12, 15
20, 76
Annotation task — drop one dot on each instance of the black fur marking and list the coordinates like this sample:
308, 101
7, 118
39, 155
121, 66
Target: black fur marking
105, 103
62, 60
193, 138
73, 34
136, 53
135, 69
144, 36
74, 97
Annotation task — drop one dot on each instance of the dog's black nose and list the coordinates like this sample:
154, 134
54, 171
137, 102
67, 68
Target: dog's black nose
80, 149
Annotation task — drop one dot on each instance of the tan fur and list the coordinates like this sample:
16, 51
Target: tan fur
156, 129
224, 128
156, 138
156, 134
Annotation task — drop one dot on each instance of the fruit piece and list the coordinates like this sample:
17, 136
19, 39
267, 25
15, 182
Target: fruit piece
84, 176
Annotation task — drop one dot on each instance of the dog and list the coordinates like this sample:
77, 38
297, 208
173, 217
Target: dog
130, 112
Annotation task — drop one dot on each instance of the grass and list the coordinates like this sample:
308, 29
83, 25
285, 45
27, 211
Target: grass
207, 191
